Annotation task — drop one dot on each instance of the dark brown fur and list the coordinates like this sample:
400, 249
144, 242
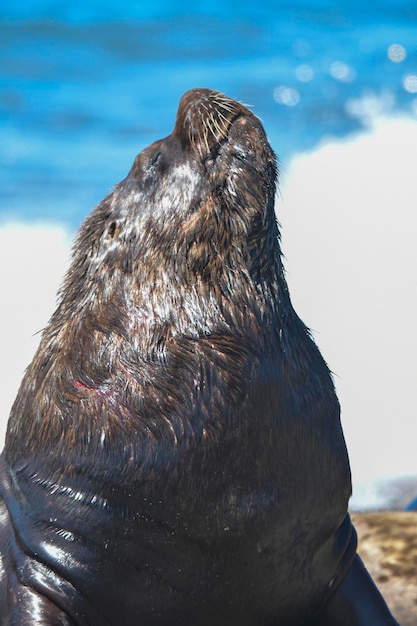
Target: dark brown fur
175, 454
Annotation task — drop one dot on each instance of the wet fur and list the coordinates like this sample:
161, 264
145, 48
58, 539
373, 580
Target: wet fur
175, 453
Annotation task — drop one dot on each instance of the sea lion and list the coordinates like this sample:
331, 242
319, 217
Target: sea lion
175, 454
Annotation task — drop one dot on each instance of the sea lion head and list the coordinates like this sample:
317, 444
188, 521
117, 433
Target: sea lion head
196, 197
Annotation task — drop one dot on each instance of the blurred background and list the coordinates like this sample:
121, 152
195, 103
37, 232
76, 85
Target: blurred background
86, 84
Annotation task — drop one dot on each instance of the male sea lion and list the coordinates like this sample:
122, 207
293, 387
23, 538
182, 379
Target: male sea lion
175, 455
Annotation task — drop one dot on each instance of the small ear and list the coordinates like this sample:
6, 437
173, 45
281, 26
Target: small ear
112, 229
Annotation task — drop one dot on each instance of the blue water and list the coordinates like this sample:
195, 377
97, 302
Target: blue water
85, 85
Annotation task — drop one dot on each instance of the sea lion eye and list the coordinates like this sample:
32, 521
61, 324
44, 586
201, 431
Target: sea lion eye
155, 158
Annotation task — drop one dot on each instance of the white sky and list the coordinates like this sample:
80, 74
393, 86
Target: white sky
349, 225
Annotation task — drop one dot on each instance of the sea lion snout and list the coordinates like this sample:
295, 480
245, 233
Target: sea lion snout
204, 119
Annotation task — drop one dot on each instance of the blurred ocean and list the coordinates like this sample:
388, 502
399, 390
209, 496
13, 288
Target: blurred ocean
85, 85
